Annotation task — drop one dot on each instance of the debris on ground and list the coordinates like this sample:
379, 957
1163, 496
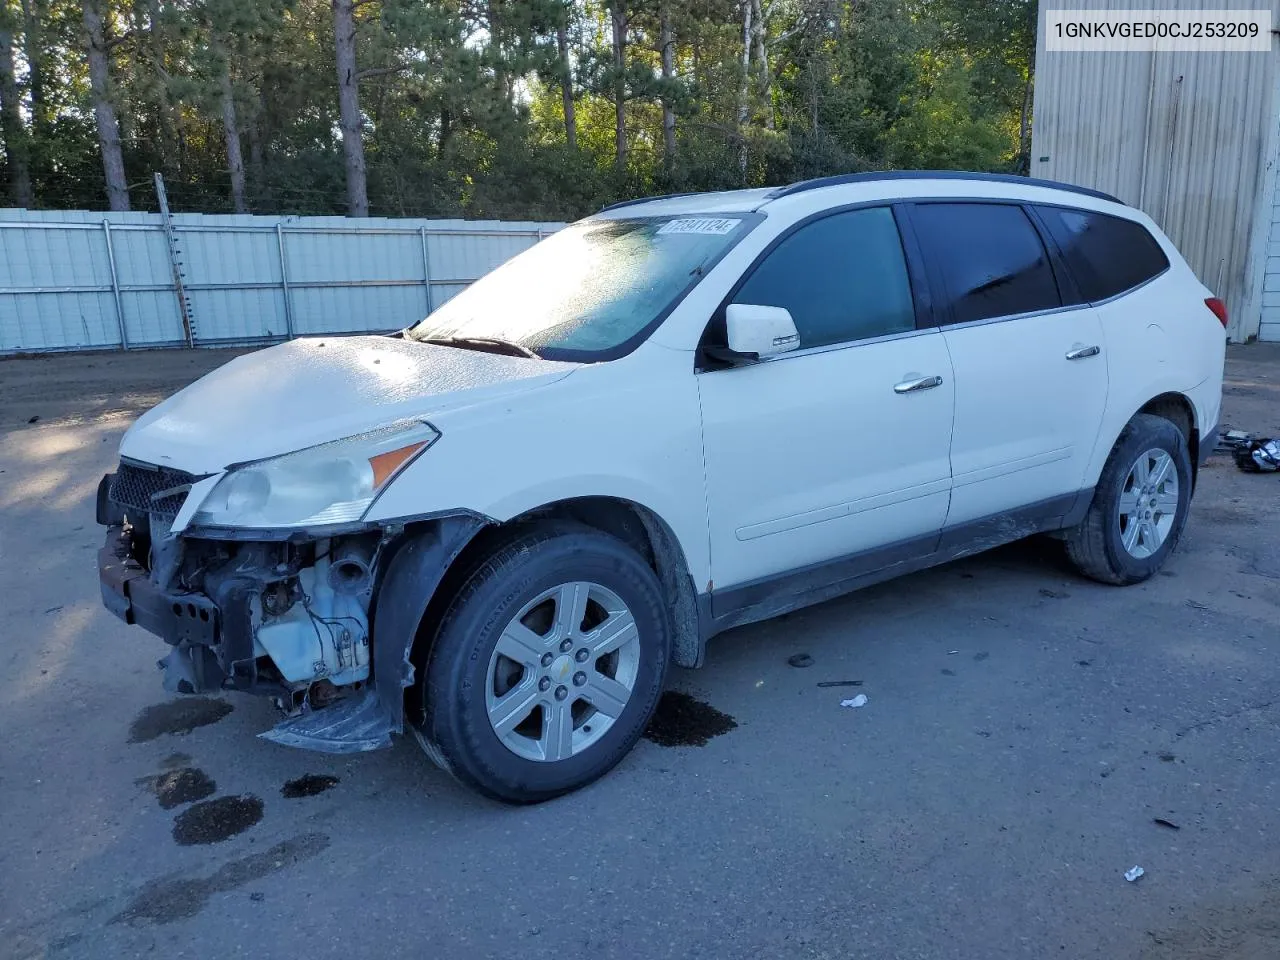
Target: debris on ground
1161, 821
1134, 873
859, 701
1260, 455
1232, 440
800, 660
839, 683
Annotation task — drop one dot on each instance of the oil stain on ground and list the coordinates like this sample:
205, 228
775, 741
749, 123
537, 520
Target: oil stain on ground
216, 820
308, 785
684, 721
166, 900
177, 716
176, 787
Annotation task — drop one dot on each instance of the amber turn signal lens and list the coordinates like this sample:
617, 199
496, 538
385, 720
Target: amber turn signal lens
386, 464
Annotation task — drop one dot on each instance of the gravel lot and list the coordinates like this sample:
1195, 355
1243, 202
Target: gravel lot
1023, 731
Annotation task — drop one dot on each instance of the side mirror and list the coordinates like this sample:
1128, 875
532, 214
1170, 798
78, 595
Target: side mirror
755, 332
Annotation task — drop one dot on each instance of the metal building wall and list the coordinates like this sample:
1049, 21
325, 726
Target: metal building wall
1270, 329
1189, 138
72, 280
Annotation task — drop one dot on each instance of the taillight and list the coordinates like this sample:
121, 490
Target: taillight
1219, 309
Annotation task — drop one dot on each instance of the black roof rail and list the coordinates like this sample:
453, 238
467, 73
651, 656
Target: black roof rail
871, 177
632, 203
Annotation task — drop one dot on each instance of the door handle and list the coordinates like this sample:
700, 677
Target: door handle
1080, 353
922, 383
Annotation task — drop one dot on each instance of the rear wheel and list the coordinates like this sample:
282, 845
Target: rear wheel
1139, 505
547, 665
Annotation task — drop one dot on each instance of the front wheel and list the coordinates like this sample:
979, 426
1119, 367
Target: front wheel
547, 665
1139, 505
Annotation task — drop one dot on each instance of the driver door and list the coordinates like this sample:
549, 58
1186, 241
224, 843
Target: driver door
831, 461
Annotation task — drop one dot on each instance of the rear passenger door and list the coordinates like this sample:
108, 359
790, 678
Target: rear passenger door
1031, 381
1150, 330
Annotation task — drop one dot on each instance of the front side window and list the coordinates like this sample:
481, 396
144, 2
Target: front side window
990, 258
1106, 255
843, 278
591, 291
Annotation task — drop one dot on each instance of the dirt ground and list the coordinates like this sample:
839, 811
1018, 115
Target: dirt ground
1025, 732
70, 388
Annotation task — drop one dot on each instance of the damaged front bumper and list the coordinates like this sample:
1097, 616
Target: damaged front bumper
291, 619
187, 621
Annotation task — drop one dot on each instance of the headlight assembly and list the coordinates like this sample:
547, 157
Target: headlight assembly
326, 485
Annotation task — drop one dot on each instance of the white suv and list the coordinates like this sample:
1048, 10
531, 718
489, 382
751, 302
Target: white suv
683, 414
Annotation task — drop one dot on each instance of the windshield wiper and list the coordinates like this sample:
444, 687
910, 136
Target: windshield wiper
493, 344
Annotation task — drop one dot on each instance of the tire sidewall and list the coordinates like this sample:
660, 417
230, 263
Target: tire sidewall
1162, 435
456, 715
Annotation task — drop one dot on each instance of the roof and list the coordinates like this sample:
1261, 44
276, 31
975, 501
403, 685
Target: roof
745, 201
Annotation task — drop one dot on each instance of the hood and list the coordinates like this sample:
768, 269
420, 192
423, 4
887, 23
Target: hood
311, 391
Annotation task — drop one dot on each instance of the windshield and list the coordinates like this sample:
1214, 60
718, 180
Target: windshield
591, 291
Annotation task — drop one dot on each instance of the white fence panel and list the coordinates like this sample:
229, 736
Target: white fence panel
73, 280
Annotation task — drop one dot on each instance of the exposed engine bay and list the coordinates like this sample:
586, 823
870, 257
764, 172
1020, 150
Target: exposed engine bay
290, 619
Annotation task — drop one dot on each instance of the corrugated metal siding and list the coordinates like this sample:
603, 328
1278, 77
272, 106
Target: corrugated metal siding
1186, 137
335, 276
1270, 328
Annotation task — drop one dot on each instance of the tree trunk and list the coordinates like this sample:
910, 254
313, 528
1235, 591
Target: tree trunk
1024, 122
34, 15
103, 111
446, 131
668, 75
762, 65
231, 132
349, 119
618, 15
16, 143
497, 45
744, 86
566, 89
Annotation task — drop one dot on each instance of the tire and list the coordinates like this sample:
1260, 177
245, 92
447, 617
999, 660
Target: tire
1109, 545
528, 586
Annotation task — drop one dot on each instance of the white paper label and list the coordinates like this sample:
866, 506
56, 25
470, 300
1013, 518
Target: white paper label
714, 226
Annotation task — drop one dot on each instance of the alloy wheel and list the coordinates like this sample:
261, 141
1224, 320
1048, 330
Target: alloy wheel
562, 672
1148, 503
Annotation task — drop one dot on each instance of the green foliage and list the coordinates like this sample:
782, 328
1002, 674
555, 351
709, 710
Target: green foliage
462, 99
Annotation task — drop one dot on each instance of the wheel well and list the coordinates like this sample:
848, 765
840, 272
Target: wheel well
1177, 409
638, 527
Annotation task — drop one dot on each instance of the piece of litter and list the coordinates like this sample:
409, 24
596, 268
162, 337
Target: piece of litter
859, 701
839, 683
1133, 873
1166, 823
800, 660
952, 653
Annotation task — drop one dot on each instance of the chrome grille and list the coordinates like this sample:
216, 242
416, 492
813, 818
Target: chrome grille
154, 490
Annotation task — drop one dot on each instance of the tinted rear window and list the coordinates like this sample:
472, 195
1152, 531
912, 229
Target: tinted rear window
1106, 255
990, 258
